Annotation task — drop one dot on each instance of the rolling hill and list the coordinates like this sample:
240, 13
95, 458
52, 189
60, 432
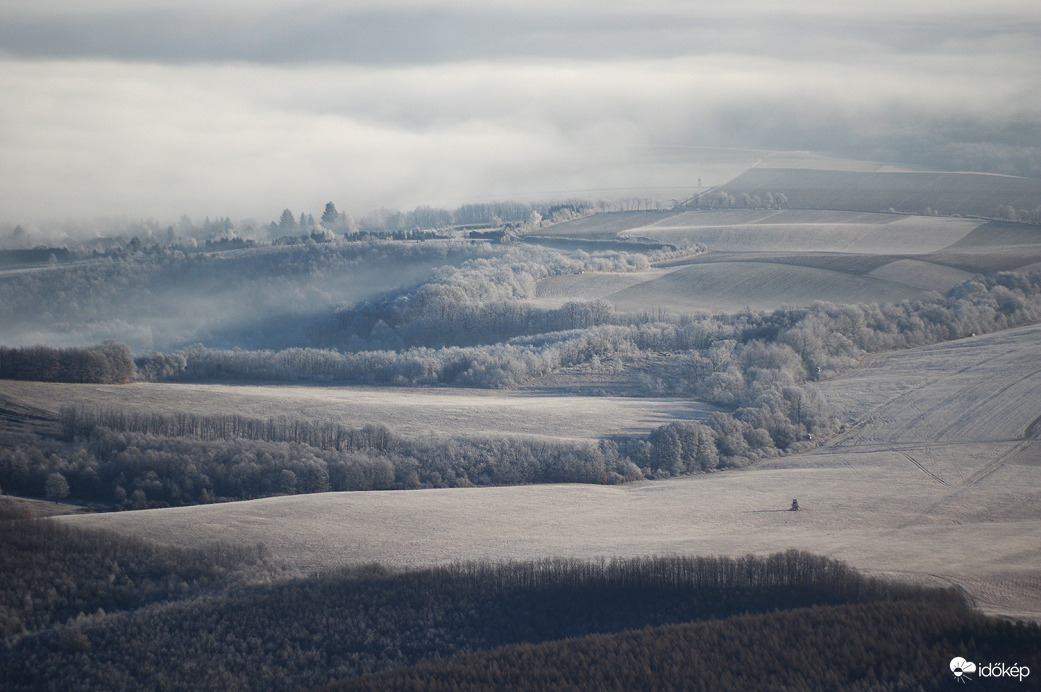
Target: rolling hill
915, 192
766, 259
919, 497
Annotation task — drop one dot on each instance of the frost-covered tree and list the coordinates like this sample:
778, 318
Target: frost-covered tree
56, 487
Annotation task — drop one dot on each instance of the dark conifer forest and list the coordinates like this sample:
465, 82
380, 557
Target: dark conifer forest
84, 610
874, 646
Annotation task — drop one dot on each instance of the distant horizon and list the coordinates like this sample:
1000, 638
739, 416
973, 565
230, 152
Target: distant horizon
218, 108
87, 229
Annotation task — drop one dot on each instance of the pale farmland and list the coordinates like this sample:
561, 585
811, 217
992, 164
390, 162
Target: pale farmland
937, 479
766, 259
407, 411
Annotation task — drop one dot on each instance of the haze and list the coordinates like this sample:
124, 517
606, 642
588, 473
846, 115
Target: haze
243, 109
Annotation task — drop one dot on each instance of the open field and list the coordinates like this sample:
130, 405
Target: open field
417, 411
924, 275
932, 496
736, 285
765, 259
978, 389
810, 231
787, 230
605, 226
592, 285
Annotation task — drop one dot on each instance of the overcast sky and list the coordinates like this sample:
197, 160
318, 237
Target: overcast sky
219, 107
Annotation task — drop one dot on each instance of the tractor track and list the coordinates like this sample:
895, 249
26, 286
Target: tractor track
936, 477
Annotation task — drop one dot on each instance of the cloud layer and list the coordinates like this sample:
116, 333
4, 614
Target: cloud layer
213, 110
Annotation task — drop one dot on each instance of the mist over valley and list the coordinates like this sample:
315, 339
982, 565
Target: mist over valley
434, 345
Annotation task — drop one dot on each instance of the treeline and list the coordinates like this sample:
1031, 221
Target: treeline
313, 295
888, 646
107, 363
718, 353
36, 255
492, 366
1009, 213
201, 296
755, 364
480, 302
362, 620
482, 214
173, 297
721, 199
54, 573
133, 461
809, 343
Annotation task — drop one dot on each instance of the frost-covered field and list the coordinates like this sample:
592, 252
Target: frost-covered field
810, 231
765, 259
781, 230
933, 481
415, 411
980, 389
732, 286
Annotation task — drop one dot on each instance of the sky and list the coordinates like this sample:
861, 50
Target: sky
118, 108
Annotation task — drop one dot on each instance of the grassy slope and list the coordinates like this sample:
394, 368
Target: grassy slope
899, 494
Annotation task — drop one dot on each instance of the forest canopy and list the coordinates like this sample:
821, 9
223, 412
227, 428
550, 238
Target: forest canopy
223, 617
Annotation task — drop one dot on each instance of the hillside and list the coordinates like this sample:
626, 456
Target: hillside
932, 508
910, 192
766, 259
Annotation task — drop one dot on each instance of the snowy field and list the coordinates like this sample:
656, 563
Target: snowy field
415, 411
810, 231
767, 259
937, 479
711, 286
